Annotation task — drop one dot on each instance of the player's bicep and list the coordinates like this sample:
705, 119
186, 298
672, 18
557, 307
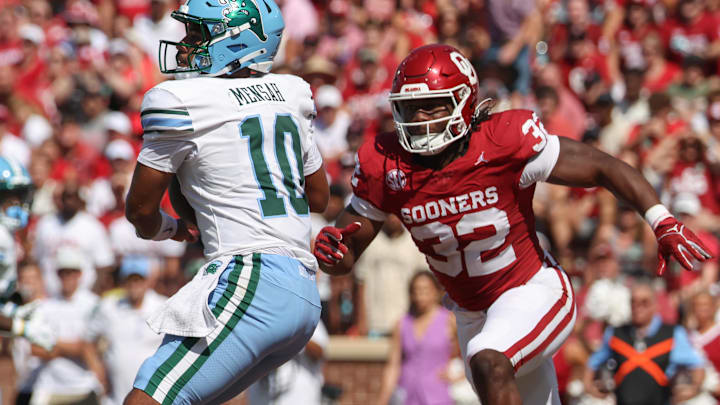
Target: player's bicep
317, 190
578, 164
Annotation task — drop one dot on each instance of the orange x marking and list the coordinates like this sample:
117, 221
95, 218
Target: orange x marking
643, 360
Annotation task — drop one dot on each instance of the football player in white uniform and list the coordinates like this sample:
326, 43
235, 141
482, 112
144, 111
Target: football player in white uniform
239, 141
15, 190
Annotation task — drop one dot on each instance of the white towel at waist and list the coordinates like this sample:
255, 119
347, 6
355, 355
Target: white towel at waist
187, 312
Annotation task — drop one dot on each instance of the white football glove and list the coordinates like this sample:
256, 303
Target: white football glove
32, 326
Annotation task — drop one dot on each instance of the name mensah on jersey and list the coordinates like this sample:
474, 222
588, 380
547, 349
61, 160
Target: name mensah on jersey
257, 92
444, 206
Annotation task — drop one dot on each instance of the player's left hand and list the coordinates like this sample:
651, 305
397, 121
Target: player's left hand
328, 243
677, 240
31, 325
186, 232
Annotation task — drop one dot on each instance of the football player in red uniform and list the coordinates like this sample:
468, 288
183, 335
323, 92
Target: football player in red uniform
462, 181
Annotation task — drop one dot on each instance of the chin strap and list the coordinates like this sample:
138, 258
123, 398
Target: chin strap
237, 64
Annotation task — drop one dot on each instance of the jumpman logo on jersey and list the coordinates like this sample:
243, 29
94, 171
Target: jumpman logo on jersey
481, 159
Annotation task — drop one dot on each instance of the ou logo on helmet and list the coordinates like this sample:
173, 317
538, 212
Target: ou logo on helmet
464, 66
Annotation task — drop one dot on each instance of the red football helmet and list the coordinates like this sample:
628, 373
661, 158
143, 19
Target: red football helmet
432, 72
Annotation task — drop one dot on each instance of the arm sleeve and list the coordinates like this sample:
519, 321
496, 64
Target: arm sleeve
603, 354
541, 165
683, 353
366, 209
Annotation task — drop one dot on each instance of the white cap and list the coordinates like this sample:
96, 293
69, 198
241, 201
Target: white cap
32, 33
118, 46
118, 122
686, 203
69, 257
119, 149
328, 96
36, 130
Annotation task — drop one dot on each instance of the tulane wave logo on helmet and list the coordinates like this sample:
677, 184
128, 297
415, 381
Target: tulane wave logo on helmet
239, 12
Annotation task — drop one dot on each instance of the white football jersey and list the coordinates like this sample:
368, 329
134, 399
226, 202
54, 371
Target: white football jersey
241, 149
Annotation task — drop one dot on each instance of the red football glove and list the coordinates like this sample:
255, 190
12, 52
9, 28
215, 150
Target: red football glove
680, 242
328, 246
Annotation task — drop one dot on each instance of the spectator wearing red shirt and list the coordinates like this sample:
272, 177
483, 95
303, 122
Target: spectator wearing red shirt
10, 52
713, 142
578, 21
653, 142
555, 122
31, 82
691, 174
366, 82
343, 37
568, 103
585, 66
628, 40
659, 72
77, 160
691, 32
39, 13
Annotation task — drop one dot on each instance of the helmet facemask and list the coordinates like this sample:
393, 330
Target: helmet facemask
416, 137
15, 207
198, 57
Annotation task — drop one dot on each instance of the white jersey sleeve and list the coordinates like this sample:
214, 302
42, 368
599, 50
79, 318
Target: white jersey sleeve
542, 164
166, 123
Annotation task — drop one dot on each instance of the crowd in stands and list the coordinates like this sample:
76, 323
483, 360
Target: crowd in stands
639, 79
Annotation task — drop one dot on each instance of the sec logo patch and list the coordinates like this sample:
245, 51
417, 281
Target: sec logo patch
396, 179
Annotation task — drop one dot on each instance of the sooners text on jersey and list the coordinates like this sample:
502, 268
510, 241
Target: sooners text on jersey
471, 219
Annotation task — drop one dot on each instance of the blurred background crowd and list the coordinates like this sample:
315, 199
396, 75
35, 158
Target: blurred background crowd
638, 79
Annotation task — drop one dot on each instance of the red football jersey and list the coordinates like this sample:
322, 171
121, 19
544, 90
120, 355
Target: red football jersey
471, 219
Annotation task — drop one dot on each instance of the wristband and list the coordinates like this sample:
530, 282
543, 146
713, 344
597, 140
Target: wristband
655, 214
168, 227
18, 326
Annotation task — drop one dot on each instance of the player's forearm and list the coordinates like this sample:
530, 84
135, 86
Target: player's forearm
629, 185
146, 224
5, 323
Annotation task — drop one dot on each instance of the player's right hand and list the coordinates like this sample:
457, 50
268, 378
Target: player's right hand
186, 232
676, 240
329, 248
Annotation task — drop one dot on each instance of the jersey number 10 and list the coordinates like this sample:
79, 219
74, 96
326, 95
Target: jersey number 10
272, 204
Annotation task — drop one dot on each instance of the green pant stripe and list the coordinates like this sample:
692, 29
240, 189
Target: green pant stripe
229, 326
189, 342
230, 290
